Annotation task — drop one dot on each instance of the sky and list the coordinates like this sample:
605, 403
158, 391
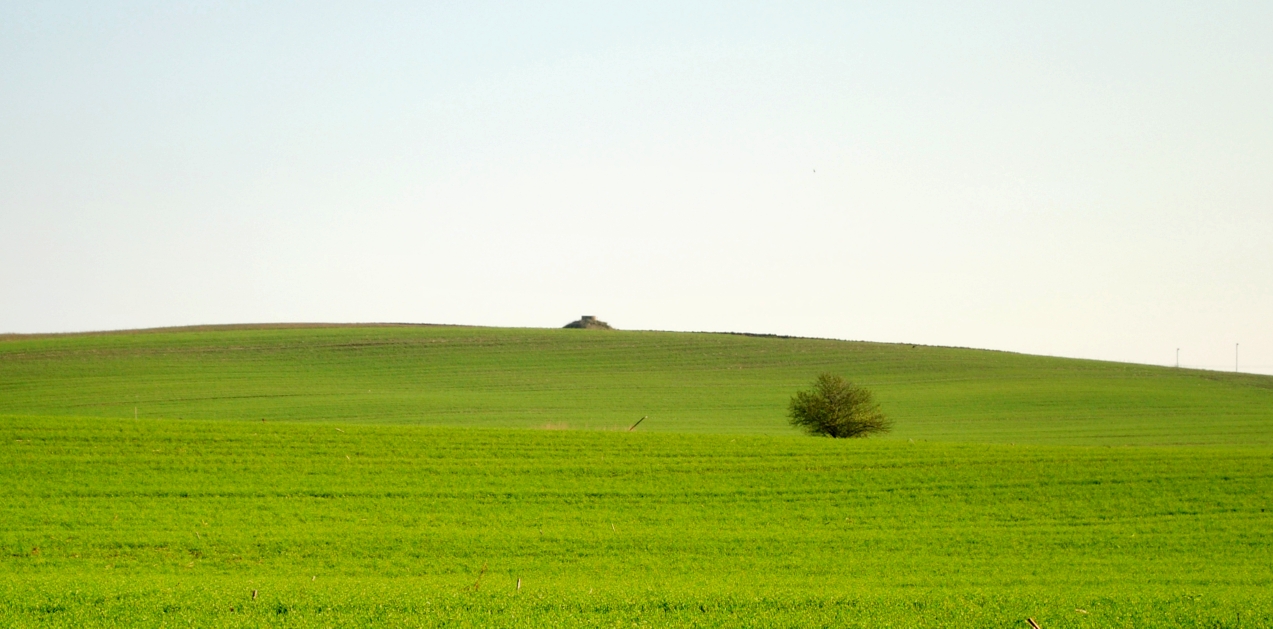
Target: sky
1083, 179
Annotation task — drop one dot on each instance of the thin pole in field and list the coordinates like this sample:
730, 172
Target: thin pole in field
1177, 358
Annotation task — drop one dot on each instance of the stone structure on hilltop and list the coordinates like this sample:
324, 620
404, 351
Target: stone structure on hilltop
589, 322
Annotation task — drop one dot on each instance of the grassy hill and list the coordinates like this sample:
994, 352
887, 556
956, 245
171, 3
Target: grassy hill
403, 479
590, 379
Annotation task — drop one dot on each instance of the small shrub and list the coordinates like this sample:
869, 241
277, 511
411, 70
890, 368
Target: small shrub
837, 408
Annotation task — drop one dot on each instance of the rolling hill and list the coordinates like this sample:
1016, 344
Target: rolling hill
403, 478
596, 379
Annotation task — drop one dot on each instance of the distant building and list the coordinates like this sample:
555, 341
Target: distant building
589, 322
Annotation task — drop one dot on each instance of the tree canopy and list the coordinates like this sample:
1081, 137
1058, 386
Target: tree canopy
837, 408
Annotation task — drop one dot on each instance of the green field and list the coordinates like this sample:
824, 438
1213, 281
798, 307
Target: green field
403, 478
535, 378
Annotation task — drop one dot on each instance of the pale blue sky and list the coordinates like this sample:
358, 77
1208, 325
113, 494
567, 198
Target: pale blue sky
1077, 179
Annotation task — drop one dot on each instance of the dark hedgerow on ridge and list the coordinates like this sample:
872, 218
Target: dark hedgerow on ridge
837, 408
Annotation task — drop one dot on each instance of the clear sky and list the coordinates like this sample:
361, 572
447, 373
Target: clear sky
1088, 179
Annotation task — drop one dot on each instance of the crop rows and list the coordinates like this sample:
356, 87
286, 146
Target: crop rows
108, 522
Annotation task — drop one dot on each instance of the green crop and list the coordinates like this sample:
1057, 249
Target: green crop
607, 380
163, 521
411, 484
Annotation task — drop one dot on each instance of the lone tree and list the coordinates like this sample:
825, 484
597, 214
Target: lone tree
837, 408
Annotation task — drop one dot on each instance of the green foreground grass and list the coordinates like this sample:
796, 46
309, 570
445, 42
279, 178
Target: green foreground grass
585, 379
110, 522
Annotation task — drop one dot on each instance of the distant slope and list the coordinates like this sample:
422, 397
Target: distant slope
685, 382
